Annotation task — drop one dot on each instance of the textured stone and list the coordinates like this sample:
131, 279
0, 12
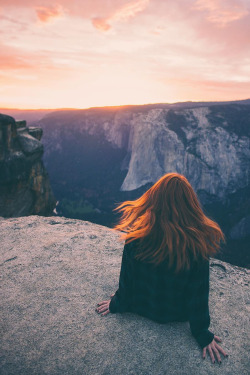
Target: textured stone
54, 272
24, 184
206, 153
35, 132
21, 124
29, 144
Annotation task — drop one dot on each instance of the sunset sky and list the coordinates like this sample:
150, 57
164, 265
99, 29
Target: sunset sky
78, 54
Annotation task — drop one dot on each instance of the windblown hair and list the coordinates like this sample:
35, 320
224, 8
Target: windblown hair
170, 224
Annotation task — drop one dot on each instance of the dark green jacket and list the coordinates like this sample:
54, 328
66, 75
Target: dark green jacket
163, 296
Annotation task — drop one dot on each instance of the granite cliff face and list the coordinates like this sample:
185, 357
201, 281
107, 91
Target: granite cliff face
24, 183
209, 145
54, 272
214, 156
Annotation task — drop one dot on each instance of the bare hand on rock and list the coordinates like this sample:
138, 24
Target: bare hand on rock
214, 350
103, 307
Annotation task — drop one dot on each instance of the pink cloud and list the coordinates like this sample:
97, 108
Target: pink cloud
230, 40
222, 12
46, 14
15, 60
123, 13
219, 27
11, 58
9, 62
87, 9
101, 24
130, 10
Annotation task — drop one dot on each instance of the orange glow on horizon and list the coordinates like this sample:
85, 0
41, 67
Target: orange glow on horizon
118, 106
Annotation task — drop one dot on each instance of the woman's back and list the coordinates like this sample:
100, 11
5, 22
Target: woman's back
161, 294
156, 291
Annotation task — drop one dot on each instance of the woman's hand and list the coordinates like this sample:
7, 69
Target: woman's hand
104, 306
214, 348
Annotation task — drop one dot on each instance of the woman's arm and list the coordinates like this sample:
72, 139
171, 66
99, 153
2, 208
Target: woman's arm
121, 300
198, 309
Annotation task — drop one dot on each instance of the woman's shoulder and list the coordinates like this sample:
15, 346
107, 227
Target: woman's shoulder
197, 263
131, 247
132, 244
199, 266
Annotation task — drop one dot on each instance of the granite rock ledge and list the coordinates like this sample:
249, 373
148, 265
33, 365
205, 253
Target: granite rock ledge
55, 270
24, 183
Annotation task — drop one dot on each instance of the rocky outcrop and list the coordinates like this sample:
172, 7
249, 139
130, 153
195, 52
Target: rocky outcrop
24, 183
215, 159
54, 272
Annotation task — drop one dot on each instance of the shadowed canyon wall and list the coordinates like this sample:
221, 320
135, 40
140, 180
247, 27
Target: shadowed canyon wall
24, 184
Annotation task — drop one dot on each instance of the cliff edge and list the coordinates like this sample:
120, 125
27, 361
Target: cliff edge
55, 270
24, 183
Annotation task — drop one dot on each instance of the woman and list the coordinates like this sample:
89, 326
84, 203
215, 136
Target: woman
165, 264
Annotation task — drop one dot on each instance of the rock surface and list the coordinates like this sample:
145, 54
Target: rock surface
24, 182
55, 270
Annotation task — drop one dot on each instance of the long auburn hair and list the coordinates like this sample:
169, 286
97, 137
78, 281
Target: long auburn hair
169, 222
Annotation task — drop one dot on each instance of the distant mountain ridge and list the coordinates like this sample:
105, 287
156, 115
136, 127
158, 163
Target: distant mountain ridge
31, 115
